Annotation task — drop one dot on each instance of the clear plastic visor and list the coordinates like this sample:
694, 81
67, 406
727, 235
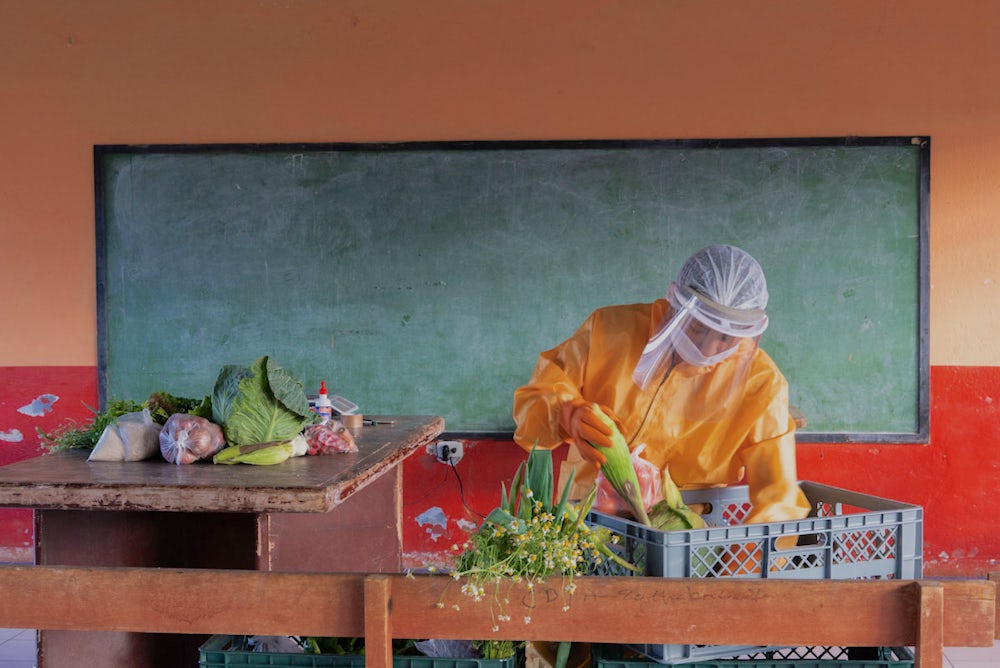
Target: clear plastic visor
687, 338
732, 321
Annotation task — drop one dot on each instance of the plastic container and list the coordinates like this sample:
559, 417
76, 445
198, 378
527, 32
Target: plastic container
226, 650
613, 656
847, 536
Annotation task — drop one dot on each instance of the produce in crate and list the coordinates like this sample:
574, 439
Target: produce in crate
609, 502
672, 513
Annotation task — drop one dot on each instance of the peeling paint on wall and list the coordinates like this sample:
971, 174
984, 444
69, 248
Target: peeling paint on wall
12, 436
40, 406
431, 518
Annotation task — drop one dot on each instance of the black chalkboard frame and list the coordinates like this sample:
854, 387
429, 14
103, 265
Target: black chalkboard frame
921, 401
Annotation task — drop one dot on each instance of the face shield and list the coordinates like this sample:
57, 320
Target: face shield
700, 332
718, 301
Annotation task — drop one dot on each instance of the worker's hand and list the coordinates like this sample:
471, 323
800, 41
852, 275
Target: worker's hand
582, 427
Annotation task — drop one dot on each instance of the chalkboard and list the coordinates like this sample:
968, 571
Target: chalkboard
425, 278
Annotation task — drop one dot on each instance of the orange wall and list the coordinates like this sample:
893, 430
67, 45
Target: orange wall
114, 71
184, 71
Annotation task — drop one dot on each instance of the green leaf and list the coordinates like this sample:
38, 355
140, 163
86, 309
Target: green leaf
504, 500
506, 520
560, 509
227, 387
287, 389
582, 509
562, 653
515, 489
539, 476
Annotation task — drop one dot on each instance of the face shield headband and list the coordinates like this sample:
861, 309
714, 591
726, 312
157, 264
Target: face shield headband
731, 321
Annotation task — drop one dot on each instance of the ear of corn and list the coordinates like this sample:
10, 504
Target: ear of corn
618, 469
672, 513
260, 454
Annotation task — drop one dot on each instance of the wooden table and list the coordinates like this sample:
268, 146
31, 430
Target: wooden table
335, 513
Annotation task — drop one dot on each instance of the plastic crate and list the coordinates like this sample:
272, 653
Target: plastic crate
847, 536
225, 650
613, 656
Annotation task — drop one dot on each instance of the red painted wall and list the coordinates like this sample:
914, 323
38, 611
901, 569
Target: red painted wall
955, 478
32, 398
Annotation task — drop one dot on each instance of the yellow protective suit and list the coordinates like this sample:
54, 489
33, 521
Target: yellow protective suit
694, 422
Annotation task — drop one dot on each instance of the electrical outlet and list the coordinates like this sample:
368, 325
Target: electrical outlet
448, 452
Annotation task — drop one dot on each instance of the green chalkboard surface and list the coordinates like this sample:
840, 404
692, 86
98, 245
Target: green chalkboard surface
425, 278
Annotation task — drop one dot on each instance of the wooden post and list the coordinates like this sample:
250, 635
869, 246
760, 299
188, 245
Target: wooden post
930, 625
378, 622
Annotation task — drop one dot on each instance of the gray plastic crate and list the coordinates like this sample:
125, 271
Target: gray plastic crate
848, 536
612, 656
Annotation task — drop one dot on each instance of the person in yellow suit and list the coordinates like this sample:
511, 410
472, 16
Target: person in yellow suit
683, 376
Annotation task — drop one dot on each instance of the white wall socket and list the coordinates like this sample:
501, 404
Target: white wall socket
446, 452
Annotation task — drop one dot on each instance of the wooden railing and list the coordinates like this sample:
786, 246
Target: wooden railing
925, 614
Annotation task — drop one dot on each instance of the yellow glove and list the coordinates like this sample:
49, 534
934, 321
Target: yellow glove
582, 427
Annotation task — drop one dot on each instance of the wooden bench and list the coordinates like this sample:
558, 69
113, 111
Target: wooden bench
925, 614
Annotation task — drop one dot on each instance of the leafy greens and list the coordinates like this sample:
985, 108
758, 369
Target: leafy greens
259, 403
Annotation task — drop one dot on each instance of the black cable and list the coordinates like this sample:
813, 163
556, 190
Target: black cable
461, 490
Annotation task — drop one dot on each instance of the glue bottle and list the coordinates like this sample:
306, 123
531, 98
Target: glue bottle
323, 405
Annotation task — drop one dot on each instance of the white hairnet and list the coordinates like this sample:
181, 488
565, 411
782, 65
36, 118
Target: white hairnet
730, 290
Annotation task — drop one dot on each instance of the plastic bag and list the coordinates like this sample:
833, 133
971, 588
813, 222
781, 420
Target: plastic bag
329, 438
187, 438
131, 438
275, 644
609, 502
450, 649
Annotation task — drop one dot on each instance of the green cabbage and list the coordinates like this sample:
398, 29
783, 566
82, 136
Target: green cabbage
259, 403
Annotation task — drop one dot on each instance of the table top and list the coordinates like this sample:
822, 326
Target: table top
310, 484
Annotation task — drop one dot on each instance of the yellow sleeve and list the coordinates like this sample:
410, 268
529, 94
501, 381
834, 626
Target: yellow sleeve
772, 479
557, 378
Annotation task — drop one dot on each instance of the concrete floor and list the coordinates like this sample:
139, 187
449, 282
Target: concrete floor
17, 650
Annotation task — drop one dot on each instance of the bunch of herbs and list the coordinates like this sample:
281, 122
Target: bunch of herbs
529, 538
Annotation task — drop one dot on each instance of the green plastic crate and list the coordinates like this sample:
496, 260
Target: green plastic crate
613, 656
225, 650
